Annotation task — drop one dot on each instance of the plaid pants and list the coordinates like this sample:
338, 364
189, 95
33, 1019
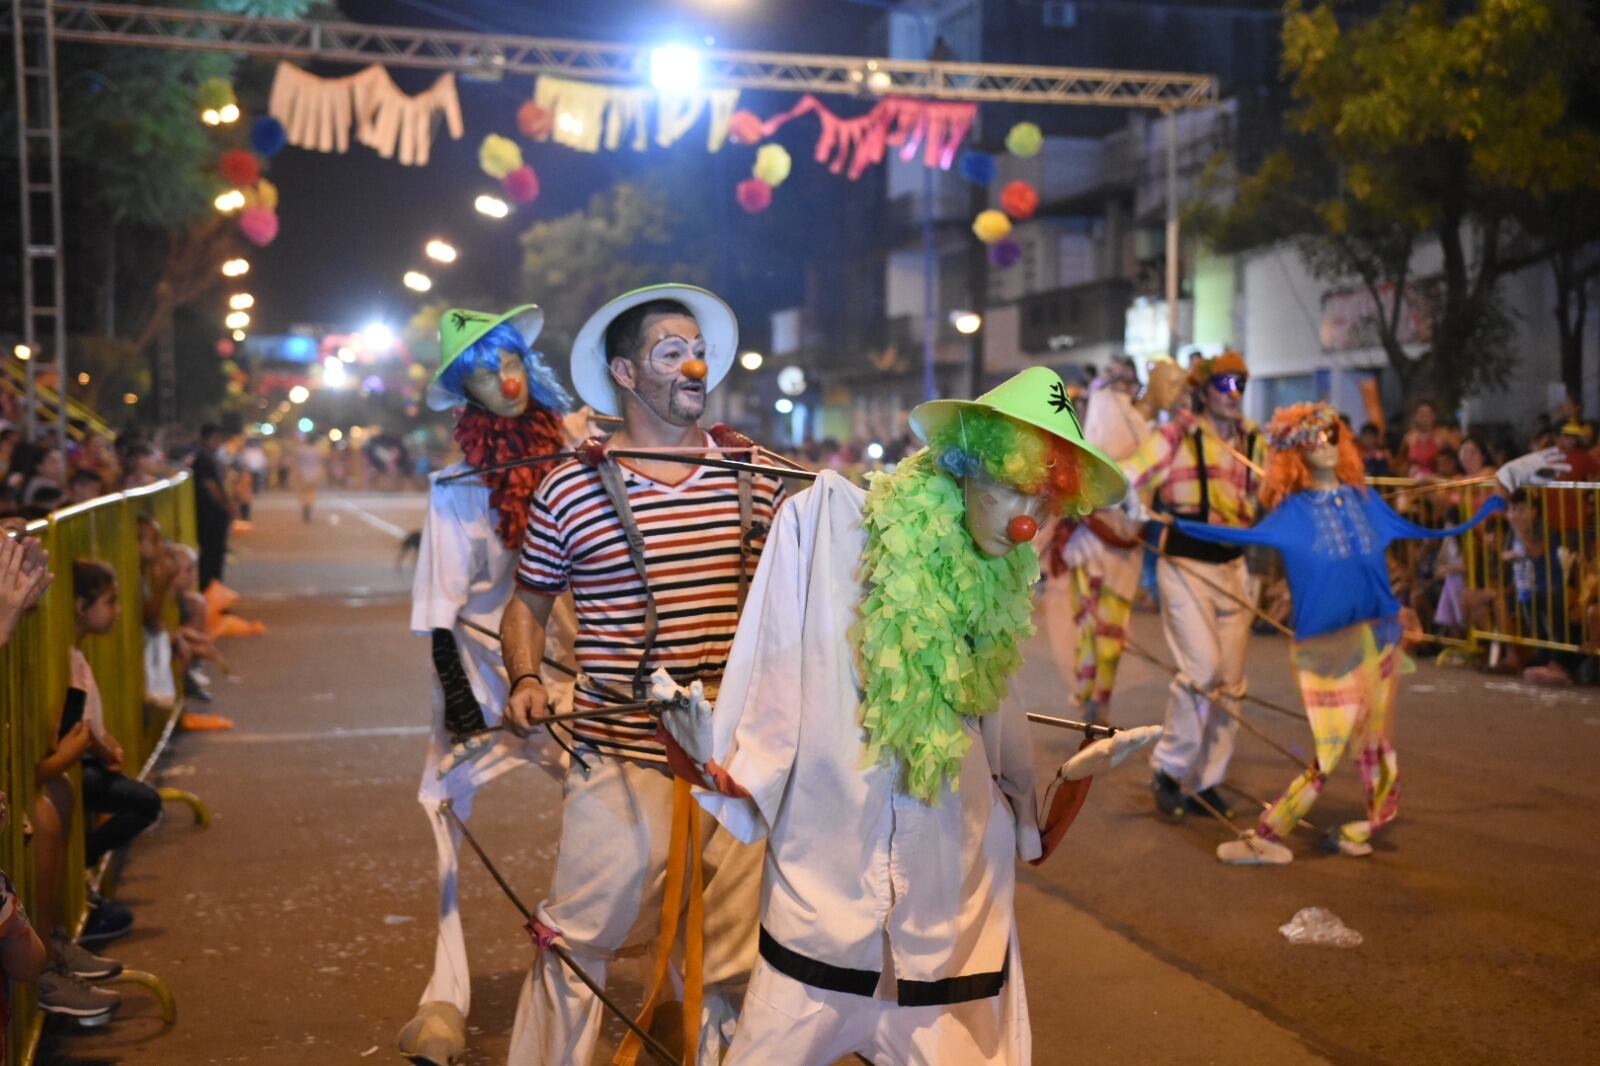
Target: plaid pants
1102, 619
1355, 708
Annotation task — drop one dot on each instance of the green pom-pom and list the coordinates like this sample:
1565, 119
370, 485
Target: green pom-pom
215, 93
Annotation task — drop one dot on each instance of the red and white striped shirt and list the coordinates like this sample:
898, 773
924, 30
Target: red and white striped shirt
691, 532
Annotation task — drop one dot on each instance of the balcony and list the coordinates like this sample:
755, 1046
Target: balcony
1092, 313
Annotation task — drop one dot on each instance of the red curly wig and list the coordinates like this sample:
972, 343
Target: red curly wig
1289, 435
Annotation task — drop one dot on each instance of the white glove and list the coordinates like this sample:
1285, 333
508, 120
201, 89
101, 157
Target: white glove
687, 718
1527, 469
1111, 752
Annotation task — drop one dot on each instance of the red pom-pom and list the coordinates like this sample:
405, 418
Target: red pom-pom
591, 452
535, 121
1019, 200
746, 128
754, 195
225, 348
259, 225
1022, 529
239, 167
522, 184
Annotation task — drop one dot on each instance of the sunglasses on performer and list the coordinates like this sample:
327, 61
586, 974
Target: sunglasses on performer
1228, 384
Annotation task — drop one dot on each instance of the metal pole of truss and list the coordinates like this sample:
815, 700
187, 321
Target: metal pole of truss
39, 187
495, 54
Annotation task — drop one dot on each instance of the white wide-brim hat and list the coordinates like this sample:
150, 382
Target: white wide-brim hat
591, 375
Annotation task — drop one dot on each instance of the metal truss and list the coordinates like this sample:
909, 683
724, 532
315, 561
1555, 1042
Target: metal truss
494, 55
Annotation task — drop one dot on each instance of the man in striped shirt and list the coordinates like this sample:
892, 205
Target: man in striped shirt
651, 356
1200, 468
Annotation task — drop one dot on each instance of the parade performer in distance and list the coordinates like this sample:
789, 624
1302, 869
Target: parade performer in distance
510, 407
1105, 555
1199, 466
657, 556
1332, 533
864, 730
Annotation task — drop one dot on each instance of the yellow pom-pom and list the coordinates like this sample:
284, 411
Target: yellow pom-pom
262, 194
991, 226
772, 164
499, 156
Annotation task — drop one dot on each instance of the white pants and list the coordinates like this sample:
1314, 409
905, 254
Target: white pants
606, 897
1208, 633
787, 1023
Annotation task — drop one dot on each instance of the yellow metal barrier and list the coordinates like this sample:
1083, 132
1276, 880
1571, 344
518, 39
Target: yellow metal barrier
33, 685
1530, 576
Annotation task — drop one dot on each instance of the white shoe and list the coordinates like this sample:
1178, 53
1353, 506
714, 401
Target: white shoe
1251, 850
436, 1036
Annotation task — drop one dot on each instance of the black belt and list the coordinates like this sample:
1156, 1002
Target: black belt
1180, 545
831, 978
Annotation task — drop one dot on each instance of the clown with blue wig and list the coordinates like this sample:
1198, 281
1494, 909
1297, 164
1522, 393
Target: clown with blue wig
509, 407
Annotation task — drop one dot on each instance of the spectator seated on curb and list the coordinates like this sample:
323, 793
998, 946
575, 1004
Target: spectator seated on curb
132, 806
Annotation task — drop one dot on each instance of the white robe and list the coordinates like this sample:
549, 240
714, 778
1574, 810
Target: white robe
923, 890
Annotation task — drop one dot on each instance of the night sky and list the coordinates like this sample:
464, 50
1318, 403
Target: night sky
352, 224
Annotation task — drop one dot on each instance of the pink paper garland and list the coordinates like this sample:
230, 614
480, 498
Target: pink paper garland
851, 145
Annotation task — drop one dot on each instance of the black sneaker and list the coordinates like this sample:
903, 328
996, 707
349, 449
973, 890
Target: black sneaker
1213, 798
1169, 796
80, 961
107, 921
195, 689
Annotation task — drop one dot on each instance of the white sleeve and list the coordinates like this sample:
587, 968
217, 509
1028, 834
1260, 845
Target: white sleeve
443, 581
1009, 746
756, 723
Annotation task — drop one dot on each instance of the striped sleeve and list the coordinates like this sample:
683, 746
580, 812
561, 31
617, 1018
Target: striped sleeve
545, 564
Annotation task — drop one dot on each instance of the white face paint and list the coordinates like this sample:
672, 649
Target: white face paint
991, 507
503, 392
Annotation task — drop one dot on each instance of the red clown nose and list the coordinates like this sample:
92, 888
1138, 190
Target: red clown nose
1021, 529
510, 388
694, 368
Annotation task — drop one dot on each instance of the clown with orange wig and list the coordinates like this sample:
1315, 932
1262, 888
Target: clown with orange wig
1332, 533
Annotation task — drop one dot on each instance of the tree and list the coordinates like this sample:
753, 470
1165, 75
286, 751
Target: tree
1418, 126
629, 236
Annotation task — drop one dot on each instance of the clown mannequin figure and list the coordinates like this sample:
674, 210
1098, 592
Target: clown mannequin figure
864, 730
1202, 467
1333, 532
511, 408
657, 556
1104, 557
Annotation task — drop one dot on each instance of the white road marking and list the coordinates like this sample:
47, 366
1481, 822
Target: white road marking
373, 520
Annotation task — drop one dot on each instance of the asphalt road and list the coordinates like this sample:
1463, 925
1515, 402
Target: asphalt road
298, 927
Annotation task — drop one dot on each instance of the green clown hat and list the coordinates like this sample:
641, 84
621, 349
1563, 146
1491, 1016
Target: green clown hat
1036, 397
460, 329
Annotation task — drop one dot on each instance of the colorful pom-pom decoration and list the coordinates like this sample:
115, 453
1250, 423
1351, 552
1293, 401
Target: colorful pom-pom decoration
1005, 253
772, 164
262, 194
522, 184
267, 135
1019, 200
259, 225
239, 167
754, 195
535, 121
991, 226
978, 167
499, 156
745, 127
214, 94
1024, 140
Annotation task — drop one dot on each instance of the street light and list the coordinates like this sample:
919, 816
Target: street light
966, 322
130, 398
492, 206
228, 113
675, 68
238, 334
23, 352
83, 378
229, 201
336, 435
417, 281
783, 405
233, 268
440, 251
306, 425
378, 338
751, 360
334, 375
236, 320
241, 301
299, 394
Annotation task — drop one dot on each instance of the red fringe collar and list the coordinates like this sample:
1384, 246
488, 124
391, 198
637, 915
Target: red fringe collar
488, 439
